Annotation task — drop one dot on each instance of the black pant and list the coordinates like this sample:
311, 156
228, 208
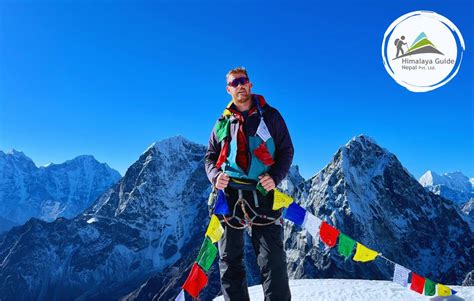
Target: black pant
267, 243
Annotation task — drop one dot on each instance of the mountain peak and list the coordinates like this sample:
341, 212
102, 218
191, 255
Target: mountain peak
448, 178
172, 144
428, 178
16, 155
362, 140
363, 152
454, 186
81, 159
359, 161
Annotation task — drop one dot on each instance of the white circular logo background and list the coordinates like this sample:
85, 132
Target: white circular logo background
422, 50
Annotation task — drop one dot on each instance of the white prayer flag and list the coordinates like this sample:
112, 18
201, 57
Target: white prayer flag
262, 131
400, 275
180, 296
312, 224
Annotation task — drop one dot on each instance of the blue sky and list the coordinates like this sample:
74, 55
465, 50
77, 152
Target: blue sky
110, 78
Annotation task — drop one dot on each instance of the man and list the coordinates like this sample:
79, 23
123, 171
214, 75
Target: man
399, 44
249, 154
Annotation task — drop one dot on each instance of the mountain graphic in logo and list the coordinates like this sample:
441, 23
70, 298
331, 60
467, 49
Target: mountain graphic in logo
419, 46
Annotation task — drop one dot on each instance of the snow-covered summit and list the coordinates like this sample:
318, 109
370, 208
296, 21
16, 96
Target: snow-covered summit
354, 290
361, 139
51, 191
362, 157
454, 186
17, 154
16, 157
454, 180
80, 160
172, 144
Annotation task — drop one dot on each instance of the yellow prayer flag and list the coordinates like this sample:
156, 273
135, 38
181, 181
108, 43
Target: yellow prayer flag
281, 200
364, 254
227, 113
443, 290
214, 230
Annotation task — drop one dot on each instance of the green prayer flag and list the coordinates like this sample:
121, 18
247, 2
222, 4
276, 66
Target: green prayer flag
222, 129
345, 245
206, 255
430, 287
261, 189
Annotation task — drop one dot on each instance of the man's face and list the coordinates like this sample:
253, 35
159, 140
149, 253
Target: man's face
241, 93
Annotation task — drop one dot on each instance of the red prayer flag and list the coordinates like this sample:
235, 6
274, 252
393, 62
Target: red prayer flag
262, 153
417, 283
223, 154
196, 281
328, 234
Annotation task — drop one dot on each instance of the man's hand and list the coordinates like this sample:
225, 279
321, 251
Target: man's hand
267, 181
222, 181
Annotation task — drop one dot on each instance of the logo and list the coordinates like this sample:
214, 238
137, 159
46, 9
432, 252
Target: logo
422, 50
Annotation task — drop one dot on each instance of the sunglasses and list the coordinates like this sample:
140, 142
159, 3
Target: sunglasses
239, 81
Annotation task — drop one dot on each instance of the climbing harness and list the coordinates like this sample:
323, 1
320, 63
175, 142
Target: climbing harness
249, 214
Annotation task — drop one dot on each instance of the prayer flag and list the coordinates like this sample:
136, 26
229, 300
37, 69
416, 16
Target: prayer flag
221, 203
196, 281
345, 245
430, 287
400, 275
214, 230
417, 283
295, 213
443, 290
262, 153
312, 224
222, 129
223, 154
328, 234
262, 131
281, 199
207, 254
364, 254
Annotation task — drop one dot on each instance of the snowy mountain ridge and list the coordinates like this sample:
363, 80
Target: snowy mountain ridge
130, 233
454, 186
367, 194
140, 237
49, 192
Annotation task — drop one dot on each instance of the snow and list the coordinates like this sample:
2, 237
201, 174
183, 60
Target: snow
92, 220
50, 210
454, 180
170, 145
50, 191
355, 290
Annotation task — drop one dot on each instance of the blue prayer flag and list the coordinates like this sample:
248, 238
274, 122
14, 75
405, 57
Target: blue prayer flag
295, 213
221, 203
